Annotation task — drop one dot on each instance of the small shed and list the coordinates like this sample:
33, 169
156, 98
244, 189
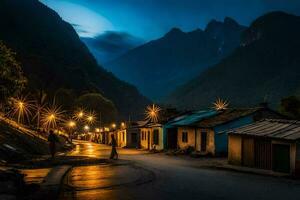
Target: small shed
270, 144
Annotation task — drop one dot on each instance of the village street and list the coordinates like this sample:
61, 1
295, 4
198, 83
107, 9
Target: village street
139, 175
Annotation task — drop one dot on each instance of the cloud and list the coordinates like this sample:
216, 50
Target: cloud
111, 44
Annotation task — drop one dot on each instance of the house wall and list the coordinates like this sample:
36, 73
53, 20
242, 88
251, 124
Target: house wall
121, 138
147, 143
191, 137
235, 154
144, 140
234, 149
293, 152
221, 135
129, 142
160, 145
210, 141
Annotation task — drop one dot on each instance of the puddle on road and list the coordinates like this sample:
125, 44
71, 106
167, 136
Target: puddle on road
92, 182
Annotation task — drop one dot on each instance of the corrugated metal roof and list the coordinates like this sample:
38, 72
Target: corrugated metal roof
271, 128
226, 116
191, 118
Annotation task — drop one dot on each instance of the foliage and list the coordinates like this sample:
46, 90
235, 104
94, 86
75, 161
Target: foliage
12, 80
290, 106
99, 104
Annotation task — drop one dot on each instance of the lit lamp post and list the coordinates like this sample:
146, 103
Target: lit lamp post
86, 128
71, 125
21, 109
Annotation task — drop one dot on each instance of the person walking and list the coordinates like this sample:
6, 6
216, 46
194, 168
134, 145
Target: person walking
114, 153
52, 139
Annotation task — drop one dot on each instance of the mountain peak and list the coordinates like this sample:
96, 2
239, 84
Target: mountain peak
174, 32
230, 22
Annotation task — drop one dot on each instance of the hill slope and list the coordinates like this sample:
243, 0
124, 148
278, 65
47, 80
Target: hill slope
53, 56
266, 65
159, 66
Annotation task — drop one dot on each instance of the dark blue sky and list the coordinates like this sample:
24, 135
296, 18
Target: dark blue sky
150, 19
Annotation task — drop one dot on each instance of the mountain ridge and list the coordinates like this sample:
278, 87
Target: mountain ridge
159, 66
265, 66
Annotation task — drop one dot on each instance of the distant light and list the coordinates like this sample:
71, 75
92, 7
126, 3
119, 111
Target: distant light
86, 127
152, 113
220, 104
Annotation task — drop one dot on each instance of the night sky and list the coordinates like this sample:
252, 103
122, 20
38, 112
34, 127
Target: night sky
150, 19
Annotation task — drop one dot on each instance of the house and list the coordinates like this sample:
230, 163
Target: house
152, 136
133, 133
179, 132
121, 137
207, 133
129, 134
269, 144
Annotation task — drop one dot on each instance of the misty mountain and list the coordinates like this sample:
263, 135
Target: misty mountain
161, 65
111, 44
53, 57
265, 67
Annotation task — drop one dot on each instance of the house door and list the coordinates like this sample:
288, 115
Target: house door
172, 138
262, 154
203, 141
134, 139
281, 158
248, 152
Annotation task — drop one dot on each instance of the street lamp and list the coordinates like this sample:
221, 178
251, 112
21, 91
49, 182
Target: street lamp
113, 125
71, 124
86, 127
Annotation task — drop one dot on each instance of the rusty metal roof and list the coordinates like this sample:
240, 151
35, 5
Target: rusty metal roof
271, 128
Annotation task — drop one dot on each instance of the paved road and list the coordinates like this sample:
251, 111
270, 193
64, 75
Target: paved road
152, 176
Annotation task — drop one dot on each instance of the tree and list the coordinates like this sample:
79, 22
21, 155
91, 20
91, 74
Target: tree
12, 80
290, 106
99, 104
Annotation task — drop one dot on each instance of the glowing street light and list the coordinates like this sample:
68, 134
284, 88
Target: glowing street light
79, 115
152, 113
51, 116
90, 119
21, 108
71, 124
97, 130
113, 125
86, 127
220, 104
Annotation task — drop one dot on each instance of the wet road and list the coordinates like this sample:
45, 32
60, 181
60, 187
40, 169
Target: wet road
154, 176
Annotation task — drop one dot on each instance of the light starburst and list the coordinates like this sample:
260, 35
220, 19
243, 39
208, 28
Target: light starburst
51, 116
152, 113
79, 114
220, 104
91, 117
21, 108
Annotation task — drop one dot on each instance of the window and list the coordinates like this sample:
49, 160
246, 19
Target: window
123, 136
155, 137
184, 137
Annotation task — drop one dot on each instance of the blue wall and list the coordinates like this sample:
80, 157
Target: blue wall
221, 135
